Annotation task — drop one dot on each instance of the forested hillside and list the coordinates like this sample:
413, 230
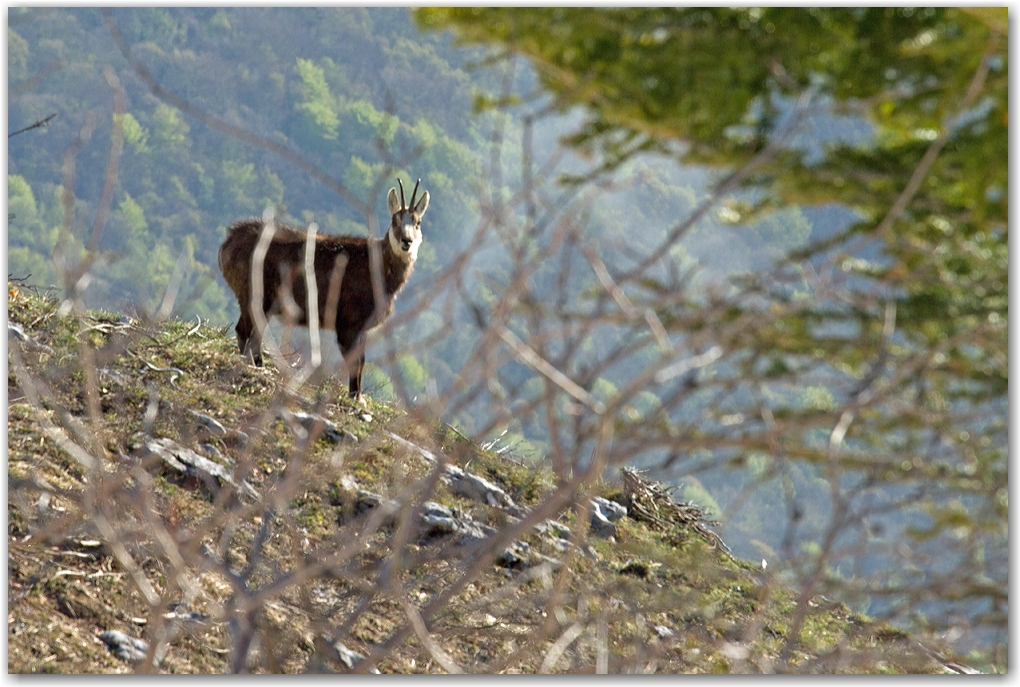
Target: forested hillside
328, 84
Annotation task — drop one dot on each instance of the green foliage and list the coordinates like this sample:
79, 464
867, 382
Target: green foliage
412, 374
818, 398
17, 57
159, 26
604, 390
361, 175
32, 264
646, 404
362, 122
134, 217
317, 104
136, 135
20, 199
782, 230
696, 493
170, 133
377, 383
239, 182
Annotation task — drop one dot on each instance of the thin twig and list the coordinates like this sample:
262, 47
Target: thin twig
38, 123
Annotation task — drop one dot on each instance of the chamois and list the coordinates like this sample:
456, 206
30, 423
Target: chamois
355, 312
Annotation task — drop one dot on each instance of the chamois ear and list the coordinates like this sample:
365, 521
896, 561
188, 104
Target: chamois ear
422, 205
393, 202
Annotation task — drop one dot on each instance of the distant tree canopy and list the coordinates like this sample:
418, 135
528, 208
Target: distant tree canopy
721, 82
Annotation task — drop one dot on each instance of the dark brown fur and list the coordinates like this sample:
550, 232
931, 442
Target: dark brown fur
285, 260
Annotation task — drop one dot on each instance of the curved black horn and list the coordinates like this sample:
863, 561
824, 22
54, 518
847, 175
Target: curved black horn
414, 194
401, 185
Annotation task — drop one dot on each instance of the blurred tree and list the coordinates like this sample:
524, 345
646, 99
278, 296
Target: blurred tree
913, 107
714, 79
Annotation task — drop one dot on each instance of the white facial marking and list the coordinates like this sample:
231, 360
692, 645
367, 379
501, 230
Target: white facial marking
412, 253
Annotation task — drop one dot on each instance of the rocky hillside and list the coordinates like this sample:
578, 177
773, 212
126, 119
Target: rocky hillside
172, 508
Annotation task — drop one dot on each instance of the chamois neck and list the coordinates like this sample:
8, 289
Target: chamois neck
396, 268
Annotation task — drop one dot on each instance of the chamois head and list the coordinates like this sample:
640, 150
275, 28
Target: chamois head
405, 229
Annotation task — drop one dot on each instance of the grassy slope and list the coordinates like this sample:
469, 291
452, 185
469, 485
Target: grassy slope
62, 592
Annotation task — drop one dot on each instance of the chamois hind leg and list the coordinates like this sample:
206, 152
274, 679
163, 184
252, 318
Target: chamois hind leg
353, 350
254, 348
243, 329
248, 340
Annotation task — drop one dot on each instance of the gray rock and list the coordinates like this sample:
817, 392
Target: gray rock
554, 529
330, 431
517, 555
470, 485
557, 533
426, 455
554, 563
189, 463
209, 424
600, 524
187, 616
16, 331
349, 484
438, 520
124, 647
464, 483
366, 500
662, 631
213, 452
611, 509
349, 657
114, 376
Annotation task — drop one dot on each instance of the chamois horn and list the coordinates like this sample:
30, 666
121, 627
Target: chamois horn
401, 185
414, 194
